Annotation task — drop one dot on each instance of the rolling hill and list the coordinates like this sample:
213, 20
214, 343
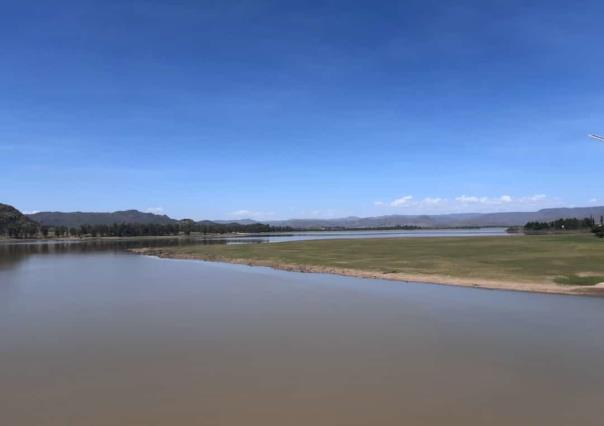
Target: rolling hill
75, 219
11, 217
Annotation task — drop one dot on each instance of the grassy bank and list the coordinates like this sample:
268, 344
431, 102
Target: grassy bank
549, 263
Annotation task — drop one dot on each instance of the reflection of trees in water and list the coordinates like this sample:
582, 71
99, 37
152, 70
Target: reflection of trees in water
12, 254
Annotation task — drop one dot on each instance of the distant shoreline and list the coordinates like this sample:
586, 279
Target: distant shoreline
134, 238
198, 236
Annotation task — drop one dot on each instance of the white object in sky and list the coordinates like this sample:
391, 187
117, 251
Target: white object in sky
597, 137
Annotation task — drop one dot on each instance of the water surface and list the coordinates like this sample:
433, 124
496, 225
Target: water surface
391, 233
92, 335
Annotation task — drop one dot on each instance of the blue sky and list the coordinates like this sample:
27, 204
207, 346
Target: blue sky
277, 109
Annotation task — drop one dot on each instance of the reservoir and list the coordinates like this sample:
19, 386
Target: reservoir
329, 235
93, 335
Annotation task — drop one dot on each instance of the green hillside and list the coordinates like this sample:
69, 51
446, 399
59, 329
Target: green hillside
15, 224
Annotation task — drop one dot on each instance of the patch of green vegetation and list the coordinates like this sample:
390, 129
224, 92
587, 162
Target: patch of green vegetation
566, 259
580, 279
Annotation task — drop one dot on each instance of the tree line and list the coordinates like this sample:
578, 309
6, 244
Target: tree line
184, 227
21, 230
571, 224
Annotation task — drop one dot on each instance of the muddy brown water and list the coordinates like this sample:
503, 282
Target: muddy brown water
93, 335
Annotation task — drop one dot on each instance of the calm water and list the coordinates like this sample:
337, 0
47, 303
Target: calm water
91, 335
51, 246
324, 235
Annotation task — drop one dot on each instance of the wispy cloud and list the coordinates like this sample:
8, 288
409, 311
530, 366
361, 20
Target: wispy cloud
319, 213
155, 210
432, 201
407, 199
250, 214
467, 203
493, 201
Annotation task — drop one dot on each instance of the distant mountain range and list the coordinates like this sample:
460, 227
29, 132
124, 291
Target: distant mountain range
432, 221
447, 220
239, 221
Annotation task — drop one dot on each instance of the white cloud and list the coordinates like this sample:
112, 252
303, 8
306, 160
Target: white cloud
493, 201
467, 199
469, 203
155, 210
401, 201
432, 201
538, 197
317, 213
250, 214
593, 200
31, 212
